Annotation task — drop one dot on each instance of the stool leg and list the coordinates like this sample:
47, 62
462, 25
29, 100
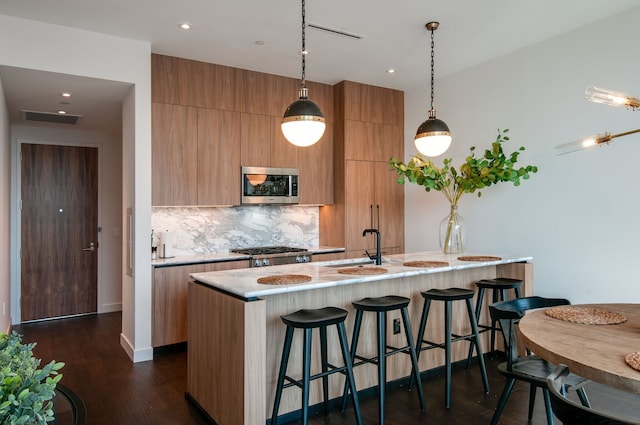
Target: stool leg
382, 363
351, 381
494, 323
478, 310
323, 359
354, 347
447, 353
306, 374
412, 352
474, 327
420, 337
283, 370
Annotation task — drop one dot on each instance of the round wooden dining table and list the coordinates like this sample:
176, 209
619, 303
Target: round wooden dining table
596, 352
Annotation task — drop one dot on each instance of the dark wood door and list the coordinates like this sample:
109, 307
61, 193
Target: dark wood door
59, 225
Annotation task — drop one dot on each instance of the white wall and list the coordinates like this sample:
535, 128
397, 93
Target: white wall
576, 216
109, 202
5, 208
78, 52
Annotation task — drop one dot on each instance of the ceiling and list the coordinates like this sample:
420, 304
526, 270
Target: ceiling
265, 36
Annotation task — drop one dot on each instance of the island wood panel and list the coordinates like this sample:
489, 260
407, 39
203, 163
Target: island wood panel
226, 359
398, 366
218, 157
174, 155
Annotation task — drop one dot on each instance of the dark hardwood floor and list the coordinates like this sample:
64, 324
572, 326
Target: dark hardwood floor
117, 391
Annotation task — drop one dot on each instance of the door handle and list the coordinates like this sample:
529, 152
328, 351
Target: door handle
92, 247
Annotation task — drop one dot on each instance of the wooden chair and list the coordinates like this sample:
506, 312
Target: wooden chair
527, 368
572, 413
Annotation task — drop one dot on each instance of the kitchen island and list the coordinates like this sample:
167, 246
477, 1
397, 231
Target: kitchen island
236, 335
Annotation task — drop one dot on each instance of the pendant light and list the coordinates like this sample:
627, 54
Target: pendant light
433, 137
303, 123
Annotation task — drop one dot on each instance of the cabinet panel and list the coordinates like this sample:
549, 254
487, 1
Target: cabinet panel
316, 170
255, 140
283, 153
174, 155
169, 315
372, 104
218, 157
220, 87
226, 265
390, 199
176, 81
372, 142
360, 204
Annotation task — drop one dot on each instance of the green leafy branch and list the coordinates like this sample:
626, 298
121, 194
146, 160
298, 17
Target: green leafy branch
474, 174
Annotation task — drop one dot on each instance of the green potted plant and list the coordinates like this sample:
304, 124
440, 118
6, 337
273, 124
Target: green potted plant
26, 392
474, 174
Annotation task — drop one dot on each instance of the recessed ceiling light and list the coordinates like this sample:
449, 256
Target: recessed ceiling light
65, 94
259, 43
61, 112
391, 71
185, 26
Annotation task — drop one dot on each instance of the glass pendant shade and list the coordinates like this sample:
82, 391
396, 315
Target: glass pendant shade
303, 123
433, 137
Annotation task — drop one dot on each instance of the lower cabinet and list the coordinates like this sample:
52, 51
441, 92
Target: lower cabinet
169, 299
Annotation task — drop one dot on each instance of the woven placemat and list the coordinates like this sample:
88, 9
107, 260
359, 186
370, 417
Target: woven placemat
585, 315
420, 263
362, 270
633, 360
284, 279
479, 258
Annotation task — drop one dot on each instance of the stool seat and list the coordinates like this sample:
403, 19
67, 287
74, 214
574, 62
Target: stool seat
305, 319
386, 303
448, 294
499, 283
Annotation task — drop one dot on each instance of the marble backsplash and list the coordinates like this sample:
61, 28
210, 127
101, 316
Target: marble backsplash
218, 230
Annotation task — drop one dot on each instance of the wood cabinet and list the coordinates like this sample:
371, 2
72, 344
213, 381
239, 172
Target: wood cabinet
369, 129
169, 299
174, 155
204, 112
218, 161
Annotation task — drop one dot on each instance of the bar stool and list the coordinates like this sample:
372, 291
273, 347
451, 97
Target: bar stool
308, 320
448, 296
499, 287
381, 306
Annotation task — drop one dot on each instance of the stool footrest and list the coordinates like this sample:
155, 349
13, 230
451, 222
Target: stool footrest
298, 383
454, 338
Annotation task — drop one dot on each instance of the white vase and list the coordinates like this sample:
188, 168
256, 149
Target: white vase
452, 232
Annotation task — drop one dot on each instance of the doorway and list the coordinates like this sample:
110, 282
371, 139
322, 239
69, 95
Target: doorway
59, 231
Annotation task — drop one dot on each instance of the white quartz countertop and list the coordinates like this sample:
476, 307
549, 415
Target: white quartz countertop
243, 282
182, 260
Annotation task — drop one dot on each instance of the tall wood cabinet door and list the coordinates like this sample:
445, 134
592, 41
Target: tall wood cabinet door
174, 155
372, 142
390, 201
169, 304
177, 81
360, 212
255, 140
283, 153
316, 170
218, 157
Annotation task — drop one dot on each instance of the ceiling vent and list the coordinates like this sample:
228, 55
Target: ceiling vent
336, 31
50, 117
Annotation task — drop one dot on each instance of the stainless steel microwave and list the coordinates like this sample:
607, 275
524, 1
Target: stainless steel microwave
264, 185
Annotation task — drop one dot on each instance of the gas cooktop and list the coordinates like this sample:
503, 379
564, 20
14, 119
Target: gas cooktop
268, 250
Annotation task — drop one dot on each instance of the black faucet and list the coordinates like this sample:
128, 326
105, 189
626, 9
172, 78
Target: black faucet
378, 256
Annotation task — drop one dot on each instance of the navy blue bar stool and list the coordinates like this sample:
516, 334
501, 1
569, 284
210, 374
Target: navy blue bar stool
448, 296
381, 306
498, 287
308, 320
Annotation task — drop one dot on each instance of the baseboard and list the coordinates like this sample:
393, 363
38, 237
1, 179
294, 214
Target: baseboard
110, 308
139, 355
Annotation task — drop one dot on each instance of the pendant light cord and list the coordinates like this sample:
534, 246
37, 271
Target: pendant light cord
432, 66
303, 52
